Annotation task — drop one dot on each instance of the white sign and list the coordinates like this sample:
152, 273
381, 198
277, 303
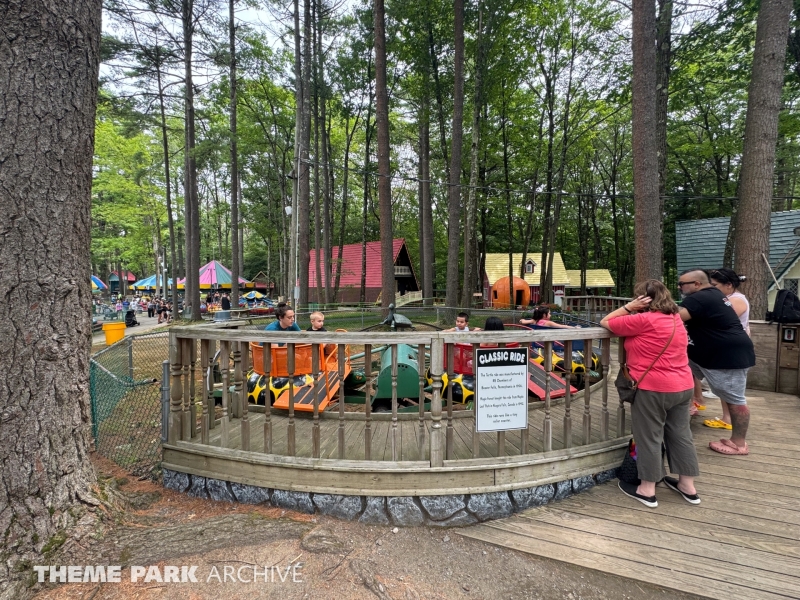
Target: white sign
501, 389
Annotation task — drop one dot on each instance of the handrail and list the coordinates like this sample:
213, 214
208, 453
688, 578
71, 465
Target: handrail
192, 406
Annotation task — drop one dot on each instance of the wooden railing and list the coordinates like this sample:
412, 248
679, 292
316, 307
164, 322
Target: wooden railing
593, 308
191, 414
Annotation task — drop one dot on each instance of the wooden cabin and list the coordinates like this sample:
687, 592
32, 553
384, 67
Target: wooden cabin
351, 268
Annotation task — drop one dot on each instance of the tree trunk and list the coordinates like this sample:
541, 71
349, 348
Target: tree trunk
758, 156
439, 99
470, 211
663, 63
645, 148
384, 183
365, 212
427, 209
292, 279
317, 187
192, 208
167, 187
343, 216
235, 266
454, 191
327, 187
305, 172
49, 57
545, 278
663, 60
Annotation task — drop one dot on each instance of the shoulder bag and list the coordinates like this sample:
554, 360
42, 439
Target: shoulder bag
626, 385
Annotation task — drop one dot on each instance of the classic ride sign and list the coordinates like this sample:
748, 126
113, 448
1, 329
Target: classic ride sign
501, 389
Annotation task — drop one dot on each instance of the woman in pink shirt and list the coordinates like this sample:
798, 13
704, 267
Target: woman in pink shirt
654, 335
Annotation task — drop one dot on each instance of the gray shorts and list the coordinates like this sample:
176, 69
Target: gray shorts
728, 384
696, 372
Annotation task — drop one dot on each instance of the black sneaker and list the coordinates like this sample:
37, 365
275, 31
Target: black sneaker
630, 490
672, 484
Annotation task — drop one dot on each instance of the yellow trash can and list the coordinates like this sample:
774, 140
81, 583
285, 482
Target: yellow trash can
114, 332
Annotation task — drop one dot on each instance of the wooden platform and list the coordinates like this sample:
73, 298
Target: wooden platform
408, 432
742, 541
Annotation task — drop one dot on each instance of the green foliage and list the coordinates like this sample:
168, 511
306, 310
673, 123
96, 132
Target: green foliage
555, 76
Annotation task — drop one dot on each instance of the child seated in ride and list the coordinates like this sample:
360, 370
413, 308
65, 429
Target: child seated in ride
495, 324
462, 324
541, 318
317, 322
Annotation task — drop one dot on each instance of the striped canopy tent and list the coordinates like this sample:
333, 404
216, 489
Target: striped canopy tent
150, 283
97, 284
215, 275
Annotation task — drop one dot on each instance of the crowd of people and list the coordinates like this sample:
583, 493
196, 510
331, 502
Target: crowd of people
670, 349
673, 351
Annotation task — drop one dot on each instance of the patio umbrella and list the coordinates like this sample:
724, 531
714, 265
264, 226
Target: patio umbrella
216, 275
254, 295
150, 283
97, 284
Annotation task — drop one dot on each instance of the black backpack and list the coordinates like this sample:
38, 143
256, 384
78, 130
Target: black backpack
786, 308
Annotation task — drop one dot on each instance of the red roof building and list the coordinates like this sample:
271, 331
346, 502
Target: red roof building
351, 266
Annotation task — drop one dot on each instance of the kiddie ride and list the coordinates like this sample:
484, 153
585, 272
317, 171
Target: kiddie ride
576, 363
327, 383
300, 380
462, 376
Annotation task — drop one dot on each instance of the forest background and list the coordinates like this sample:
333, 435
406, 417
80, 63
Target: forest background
545, 105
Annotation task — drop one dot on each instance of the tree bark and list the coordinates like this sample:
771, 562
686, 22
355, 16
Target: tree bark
304, 187
192, 207
318, 225
427, 209
454, 191
235, 266
645, 148
384, 183
365, 209
292, 280
327, 195
470, 211
167, 184
758, 156
663, 62
49, 57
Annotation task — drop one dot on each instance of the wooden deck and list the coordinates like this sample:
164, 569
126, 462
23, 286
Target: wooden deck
409, 433
742, 541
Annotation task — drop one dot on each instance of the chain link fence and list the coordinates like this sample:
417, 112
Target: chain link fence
125, 385
126, 378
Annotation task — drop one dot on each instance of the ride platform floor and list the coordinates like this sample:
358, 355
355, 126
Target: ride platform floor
742, 541
409, 434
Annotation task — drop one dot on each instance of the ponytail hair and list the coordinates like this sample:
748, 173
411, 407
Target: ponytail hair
540, 312
726, 276
280, 310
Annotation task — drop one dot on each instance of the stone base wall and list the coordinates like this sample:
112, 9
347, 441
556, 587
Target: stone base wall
405, 511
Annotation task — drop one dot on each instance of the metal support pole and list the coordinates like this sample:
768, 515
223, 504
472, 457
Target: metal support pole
164, 401
130, 358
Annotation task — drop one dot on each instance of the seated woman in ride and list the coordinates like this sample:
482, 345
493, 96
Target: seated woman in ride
541, 318
284, 321
655, 343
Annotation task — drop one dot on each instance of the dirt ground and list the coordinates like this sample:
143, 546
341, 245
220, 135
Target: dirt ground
298, 556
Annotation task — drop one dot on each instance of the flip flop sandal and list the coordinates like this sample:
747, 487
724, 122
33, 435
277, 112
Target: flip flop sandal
728, 447
717, 424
